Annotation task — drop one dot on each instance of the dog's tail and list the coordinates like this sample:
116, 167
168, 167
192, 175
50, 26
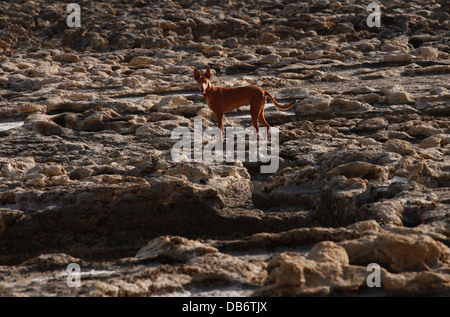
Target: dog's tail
267, 94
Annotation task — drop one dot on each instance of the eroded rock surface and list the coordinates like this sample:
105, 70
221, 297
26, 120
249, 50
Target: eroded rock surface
87, 174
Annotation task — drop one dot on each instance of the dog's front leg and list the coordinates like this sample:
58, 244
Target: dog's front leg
219, 116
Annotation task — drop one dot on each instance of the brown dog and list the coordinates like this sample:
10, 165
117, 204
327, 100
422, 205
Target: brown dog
221, 99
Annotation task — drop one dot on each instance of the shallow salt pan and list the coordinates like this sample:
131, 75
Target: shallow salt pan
62, 275
4, 126
140, 97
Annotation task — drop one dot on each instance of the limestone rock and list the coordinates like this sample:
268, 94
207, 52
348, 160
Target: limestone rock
401, 147
174, 248
430, 142
397, 95
427, 52
314, 105
66, 57
398, 58
178, 105
328, 251
140, 60
396, 252
359, 169
51, 261
47, 127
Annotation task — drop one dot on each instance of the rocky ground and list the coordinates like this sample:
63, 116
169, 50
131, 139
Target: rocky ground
88, 178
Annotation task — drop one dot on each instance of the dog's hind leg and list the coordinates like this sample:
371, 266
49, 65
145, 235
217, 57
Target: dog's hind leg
254, 112
261, 117
263, 121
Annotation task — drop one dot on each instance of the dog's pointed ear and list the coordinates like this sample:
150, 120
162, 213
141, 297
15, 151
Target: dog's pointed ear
208, 73
196, 73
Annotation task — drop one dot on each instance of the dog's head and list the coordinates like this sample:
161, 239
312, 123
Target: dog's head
203, 81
